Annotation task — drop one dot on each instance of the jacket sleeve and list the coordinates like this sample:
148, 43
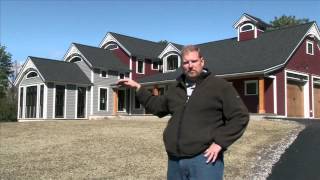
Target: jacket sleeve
157, 105
235, 115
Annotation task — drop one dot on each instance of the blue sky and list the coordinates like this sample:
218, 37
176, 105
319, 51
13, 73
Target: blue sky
46, 28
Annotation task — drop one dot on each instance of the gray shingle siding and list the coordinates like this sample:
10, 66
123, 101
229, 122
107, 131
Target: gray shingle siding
71, 101
84, 67
100, 82
50, 87
30, 81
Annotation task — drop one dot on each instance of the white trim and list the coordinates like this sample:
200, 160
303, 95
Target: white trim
169, 48
130, 74
74, 51
91, 90
86, 115
107, 102
106, 47
32, 76
19, 94
249, 82
242, 19
109, 38
76, 103
165, 62
247, 24
255, 32
38, 101
275, 95
25, 98
45, 102
306, 97
307, 49
143, 66
25, 67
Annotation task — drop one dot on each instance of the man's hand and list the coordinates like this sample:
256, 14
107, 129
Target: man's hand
212, 153
129, 83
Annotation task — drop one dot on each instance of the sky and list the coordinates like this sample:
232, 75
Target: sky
46, 28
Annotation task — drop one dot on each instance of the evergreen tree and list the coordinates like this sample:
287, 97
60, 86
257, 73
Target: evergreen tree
287, 21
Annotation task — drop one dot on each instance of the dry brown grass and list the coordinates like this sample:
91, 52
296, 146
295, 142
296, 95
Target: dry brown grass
111, 149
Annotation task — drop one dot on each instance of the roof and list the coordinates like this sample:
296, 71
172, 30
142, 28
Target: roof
60, 71
150, 49
260, 22
271, 49
102, 58
161, 77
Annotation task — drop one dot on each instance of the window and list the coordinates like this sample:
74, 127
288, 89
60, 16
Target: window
32, 74
121, 76
309, 47
246, 27
103, 94
41, 101
31, 102
172, 62
75, 59
60, 96
140, 67
104, 74
112, 46
155, 65
21, 102
251, 87
81, 105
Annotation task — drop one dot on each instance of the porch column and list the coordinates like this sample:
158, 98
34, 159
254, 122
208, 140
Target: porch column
261, 96
115, 101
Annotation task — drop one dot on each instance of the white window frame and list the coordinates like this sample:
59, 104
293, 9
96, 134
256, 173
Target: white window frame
107, 102
246, 24
107, 75
143, 66
250, 82
111, 44
156, 68
166, 62
32, 76
307, 49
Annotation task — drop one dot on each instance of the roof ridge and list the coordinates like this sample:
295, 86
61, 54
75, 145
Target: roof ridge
217, 41
46, 59
85, 45
135, 37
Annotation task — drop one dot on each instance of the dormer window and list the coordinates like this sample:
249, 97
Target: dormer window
246, 27
155, 65
172, 62
112, 46
309, 48
104, 74
75, 59
140, 67
32, 74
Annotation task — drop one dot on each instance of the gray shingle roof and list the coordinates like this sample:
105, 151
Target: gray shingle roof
60, 71
101, 58
140, 47
270, 49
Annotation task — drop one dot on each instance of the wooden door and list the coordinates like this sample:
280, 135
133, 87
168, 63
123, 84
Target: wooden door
295, 101
316, 91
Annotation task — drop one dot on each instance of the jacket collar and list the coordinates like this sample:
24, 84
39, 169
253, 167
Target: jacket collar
182, 78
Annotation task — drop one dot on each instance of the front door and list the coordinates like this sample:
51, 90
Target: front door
81, 102
121, 100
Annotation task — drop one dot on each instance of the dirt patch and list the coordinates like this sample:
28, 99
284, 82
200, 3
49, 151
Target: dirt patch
113, 149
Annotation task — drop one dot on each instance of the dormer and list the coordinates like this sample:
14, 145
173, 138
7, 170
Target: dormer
249, 27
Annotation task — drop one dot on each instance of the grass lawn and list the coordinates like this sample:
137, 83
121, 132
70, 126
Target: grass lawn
113, 149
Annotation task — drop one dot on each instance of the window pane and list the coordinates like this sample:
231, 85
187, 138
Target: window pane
251, 88
155, 65
41, 101
32, 74
121, 75
140, 67
21, 102
103, 73
246, 28
172, 62
59, 101
310, 48
103, 99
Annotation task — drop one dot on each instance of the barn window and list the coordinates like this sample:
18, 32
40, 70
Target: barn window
246, 27
310, 48
172, 62
251, 87
104, 74
140, 67
75, 59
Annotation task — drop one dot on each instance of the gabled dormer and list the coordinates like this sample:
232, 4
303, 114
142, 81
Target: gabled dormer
249, 27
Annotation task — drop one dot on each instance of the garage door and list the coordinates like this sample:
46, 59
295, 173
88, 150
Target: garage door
316, 91
295, 99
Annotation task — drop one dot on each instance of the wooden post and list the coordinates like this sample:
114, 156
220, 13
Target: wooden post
115, 101
261, 96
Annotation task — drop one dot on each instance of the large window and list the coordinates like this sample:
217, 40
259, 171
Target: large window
32, 74
172, 62
104, 74
103, 93
31, 102
251, 87
21, 103
310, 48
81, 106
41, 101
60, 101
140, 67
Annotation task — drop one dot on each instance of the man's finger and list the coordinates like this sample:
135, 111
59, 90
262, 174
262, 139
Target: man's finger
214, 157
210, 157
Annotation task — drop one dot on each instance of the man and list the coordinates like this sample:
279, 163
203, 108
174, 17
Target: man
207, 117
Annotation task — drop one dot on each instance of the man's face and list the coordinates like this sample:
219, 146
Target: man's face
192, 64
